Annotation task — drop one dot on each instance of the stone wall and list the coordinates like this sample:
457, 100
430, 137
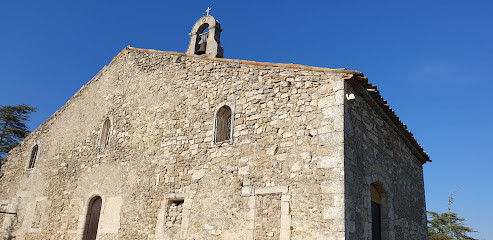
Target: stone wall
161, 176
375, 153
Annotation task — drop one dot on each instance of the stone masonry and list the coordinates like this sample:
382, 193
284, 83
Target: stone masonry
306, 144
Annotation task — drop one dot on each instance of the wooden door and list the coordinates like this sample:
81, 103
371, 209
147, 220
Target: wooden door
92, 222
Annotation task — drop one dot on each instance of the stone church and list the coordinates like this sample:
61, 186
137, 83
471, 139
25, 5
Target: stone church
166, 145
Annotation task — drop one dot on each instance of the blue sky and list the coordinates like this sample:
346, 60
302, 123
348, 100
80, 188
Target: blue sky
430, 59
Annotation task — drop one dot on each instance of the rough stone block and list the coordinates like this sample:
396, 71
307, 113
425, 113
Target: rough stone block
330, 162
246, 191
332, 187
271, 190
331, 213
198, 174
326, 101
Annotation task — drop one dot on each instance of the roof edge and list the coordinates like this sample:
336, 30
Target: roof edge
372, 96
248, 62
53, 116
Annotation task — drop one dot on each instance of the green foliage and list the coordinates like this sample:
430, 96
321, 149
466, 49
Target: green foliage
447, 226
13, 127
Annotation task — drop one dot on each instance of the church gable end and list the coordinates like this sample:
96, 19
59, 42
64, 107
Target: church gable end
164, 145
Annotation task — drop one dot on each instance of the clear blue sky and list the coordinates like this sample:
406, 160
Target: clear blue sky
432, 61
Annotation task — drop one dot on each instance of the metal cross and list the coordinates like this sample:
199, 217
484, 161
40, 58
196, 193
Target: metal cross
207, 10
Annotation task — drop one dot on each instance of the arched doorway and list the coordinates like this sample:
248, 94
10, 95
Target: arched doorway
92, 219
376, 216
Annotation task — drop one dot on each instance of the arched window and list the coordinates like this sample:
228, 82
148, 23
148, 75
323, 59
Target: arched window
223, 124
376, 213
92, 218
104, 137
32, 159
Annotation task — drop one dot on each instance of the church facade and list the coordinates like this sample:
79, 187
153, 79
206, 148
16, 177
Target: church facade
165, 145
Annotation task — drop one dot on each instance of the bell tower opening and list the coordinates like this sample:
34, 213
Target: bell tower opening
202, 36
205, 37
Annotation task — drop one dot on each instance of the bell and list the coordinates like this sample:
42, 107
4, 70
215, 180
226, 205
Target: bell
202, 48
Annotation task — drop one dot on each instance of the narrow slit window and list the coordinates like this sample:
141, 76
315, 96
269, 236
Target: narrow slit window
105, 134
32, 159
223, 124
